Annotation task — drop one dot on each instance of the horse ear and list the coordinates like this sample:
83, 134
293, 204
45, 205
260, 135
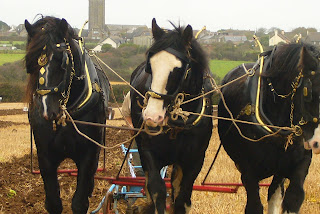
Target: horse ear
63, 27
187, 35
29, 28
157, 32
307, 61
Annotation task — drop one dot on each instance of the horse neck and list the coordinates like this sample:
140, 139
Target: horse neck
194, 86
277, 109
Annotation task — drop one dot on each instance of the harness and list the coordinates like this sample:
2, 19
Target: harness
178, 121
92, 90
255, 110
167, 97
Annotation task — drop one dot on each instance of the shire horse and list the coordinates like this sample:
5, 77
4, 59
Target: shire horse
62, 76
176, 67
283, 92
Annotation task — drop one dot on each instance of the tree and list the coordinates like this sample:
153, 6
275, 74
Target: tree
106, 48
273, 29
303, 31
261, 31
4, 26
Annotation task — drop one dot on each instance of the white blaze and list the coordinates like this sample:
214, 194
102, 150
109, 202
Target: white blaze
44, 98
162, 64
45, 108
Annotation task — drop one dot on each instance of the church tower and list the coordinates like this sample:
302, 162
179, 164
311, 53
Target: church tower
96, 19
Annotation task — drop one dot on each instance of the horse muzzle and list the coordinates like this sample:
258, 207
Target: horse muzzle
153, 124
314, 145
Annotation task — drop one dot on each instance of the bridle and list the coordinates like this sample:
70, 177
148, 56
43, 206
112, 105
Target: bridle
169, 98
174, 100
67, 65
304, 83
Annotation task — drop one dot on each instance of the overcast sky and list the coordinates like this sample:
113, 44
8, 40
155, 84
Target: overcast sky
215, 15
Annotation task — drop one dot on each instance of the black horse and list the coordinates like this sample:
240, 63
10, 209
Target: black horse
176, 68
284, 92
62, 76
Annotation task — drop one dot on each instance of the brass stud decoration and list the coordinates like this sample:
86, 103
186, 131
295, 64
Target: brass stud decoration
305, 91
313, 72
42, 60
42, 70
41, 80
315, 119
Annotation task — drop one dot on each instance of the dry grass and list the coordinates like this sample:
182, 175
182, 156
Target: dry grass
4, 106
15, 141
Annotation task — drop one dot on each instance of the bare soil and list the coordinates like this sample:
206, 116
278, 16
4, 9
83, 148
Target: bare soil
22, 192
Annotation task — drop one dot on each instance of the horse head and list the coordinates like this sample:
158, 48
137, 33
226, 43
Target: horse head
169, 61
50, 63
298, 73
310, 97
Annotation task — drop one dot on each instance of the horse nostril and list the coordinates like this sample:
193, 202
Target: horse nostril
160, 118
316, 144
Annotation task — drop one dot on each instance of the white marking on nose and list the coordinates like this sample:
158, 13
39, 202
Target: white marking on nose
162, 63
314, 142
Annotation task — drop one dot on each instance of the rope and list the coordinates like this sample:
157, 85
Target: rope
95, 142
96, 57
212, 81
216, 88
115, 100
239, 121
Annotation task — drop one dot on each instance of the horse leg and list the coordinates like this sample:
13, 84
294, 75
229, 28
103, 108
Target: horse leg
294, 194
275, 195
155, 185
183, 177
251, 184
87, 168
48, 171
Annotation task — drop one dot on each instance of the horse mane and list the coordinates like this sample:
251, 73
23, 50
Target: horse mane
287, 60
35, 47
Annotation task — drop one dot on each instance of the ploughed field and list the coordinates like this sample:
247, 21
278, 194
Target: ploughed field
22, 192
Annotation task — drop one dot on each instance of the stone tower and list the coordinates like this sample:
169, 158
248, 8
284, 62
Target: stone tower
96, 19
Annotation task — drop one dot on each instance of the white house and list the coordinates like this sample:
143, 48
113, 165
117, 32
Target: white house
114, 41
277, 38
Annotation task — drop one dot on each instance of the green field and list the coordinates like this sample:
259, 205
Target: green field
13, 43
4, 58
218, 67
221, 67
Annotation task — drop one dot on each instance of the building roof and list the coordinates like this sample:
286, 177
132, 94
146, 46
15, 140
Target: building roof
313, 37
233, 38
281, 36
